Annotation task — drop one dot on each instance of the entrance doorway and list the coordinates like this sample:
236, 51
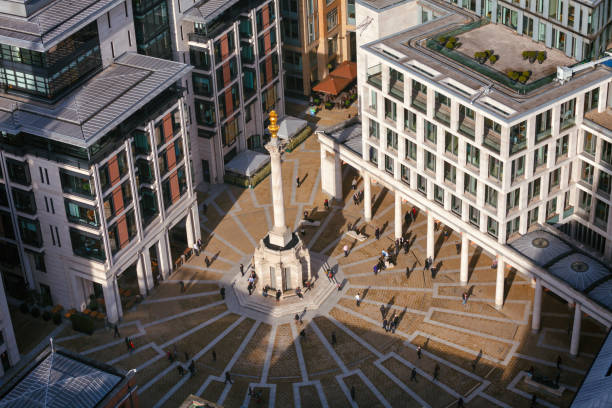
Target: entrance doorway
127, 283
6, 364
177, 237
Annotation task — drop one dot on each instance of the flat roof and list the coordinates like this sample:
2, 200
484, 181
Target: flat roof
568, 263
347, 133
602, 121
207, 10
59, 380
381, 4
596, 388
98, 105
408, 50
52, 23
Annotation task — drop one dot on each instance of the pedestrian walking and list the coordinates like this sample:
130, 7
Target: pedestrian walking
297, 181
242, 269
414, 213
191, 368
413, 375
186, 356
419, 352
214, 355
383, 311
395, 323
334, 341
228, 378
354, 183
353, 392
326, 204
345, 249
250, 288
196, 248
181, 370
494, 264
116, 331
460, 403
534, 401
207, 261
303, 333
458, 246
436, 372
375, 269
559, 361
127, 343
385, 325
278, 295
464, 298
296, 318
222, 292
182, 285
298, 292
358, 298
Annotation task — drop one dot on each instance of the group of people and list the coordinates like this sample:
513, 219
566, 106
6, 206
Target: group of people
197, 246
391, 324
252, 282
358, 197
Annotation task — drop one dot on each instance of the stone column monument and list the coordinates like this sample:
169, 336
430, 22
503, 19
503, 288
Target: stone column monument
282, 261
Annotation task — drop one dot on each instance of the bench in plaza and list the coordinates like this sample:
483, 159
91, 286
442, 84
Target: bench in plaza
356, 235
309, 223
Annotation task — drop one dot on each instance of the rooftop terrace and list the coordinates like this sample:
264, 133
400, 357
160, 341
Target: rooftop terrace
95, 107
417, 49
602, 120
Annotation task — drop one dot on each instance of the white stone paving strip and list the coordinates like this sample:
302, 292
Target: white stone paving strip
512, 387
392, 288
400, 384
322, 228
182, 314
246, 233
394, 307
179, 297
328, 346
269, 350
223, 240
313, 193
235, 357
298, 216
268, 218
195, 329
298, 350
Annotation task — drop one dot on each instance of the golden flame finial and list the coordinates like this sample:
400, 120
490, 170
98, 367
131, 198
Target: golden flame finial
273, 127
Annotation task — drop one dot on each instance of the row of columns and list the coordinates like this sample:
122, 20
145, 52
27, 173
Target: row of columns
464, 253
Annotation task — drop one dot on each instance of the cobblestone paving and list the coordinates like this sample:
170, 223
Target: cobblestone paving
312, 372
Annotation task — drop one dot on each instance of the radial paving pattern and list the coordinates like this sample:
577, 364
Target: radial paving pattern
482, 353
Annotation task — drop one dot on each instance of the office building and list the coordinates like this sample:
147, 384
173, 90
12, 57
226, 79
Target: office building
503, 149
317, 36
94, 151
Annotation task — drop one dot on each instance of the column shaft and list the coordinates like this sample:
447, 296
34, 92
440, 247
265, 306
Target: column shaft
465, 258
112, 301
537, 306
337, 177
189, 229
165, 261
141, 275
575, 344
367, 198
499, 284
276, 179
430, 236
398, 215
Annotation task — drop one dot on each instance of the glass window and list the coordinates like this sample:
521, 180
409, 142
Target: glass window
87, 245
390, 110
518, 168
533, 190
491, 196
513, 199
561, 147
555, 179
543, 125
18, 172
467, 124
472, 155
474, 216
591, 99
518, 137
456, 205
430, 161
388, 164
532, 216
24, 201
567, 114
405, 174
373, 155
492, 227
512, 226
606, 151
373, 100
470, 184
30, 232
422, 184
590, 143
439, 195
374, 129
74, 183
451, 143
332, 19
586, 173
391, 139
81, 213
410, 120
450, 172
496, 169
431, 132
601, 214
411, 150
540, 157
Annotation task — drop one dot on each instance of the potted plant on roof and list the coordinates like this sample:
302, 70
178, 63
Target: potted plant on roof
541, 57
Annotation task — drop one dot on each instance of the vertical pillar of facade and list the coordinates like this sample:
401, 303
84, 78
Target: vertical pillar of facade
165, 261
430, 236
148, 269
465, 258
338, 177
575, 344
331, 174
398, 215
537, 306
112, 301
499, 283
367, 197
189, 229
144, 273
195, 214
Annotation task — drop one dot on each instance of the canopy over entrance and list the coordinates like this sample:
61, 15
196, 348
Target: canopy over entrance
247, 162
332, 85
347, 69
290, 126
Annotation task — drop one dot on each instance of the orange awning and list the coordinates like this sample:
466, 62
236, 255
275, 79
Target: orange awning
347, 69
332, 85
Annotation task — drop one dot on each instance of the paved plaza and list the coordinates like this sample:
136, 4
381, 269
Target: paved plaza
482, 354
